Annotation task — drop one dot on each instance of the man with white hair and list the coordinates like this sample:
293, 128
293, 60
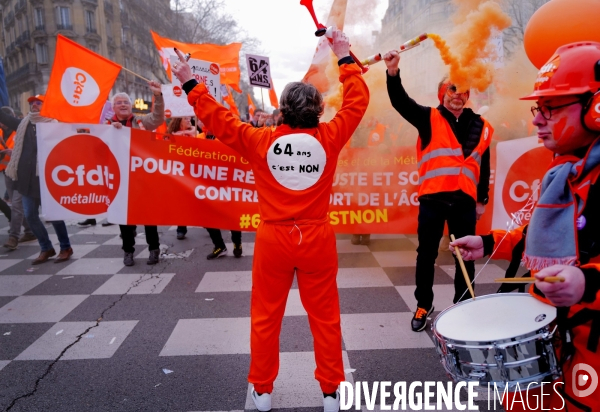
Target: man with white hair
122, 106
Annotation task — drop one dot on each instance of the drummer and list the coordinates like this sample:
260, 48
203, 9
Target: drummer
563, 236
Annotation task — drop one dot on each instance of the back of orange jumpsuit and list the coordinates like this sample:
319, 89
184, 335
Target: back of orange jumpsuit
294, 170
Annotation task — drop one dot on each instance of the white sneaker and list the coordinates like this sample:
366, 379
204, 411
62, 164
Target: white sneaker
263, 402
332, 404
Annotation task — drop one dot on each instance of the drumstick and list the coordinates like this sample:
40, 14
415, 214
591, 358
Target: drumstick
550, 279
464, 270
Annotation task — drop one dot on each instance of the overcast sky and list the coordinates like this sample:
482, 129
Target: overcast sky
286, 32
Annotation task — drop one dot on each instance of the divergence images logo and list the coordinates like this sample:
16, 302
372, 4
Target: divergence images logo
585, 380
78, 87
83, 175
522, 180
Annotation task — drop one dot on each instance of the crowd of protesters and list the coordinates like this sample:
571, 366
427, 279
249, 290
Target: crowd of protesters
22, 200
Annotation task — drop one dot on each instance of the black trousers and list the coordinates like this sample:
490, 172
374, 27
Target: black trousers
128, 235
217, 239
461, 218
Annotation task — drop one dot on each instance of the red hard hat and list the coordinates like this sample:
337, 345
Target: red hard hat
573, 69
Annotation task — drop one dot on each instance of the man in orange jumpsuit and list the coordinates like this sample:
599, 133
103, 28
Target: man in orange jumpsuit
294, 166
563, 236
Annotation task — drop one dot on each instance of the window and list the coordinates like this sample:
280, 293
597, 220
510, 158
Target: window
90, 21
109, 29
19, 26
41, 51
63, 18
123, 35
38, 15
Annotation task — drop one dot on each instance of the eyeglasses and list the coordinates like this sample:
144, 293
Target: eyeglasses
453, 90
546, 111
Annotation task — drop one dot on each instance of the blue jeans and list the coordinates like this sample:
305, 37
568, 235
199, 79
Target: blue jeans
31, 206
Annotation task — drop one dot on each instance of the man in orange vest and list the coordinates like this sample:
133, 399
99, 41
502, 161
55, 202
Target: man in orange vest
294, 167
563, 236
454, 169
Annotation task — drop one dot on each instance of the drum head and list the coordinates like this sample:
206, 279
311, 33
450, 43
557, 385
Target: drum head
494, 317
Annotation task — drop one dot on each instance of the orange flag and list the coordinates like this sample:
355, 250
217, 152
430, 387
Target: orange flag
250, 105
227, 57
79, 85
316, 72
231, 102
273, 96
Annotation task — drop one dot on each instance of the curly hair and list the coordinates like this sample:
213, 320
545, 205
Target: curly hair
301, 105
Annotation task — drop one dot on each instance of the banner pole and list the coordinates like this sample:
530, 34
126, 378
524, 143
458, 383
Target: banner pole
135, 74
262, 99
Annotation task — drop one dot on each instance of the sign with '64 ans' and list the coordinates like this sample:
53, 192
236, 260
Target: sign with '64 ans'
259, 71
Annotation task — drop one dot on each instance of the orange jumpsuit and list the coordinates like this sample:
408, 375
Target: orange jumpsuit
583, 319
294, 170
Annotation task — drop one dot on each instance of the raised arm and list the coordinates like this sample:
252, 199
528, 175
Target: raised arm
355, 92
236, 134
155, 118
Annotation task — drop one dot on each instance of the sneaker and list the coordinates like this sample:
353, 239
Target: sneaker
355, 239
331, 403
217, 252
11, 243
87, 222
419, 321
237, 250
27, 237
128, 259
180, 236
365, 239
154, 257
262, 402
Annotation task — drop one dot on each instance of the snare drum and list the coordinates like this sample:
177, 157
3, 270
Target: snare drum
504, 339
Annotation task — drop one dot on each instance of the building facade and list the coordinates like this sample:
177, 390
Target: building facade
107, 27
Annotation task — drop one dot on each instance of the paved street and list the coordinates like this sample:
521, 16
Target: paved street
93, 335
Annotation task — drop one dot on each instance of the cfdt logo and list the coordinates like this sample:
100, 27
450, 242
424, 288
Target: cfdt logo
78, 87
584, 380
82, 175
523, 181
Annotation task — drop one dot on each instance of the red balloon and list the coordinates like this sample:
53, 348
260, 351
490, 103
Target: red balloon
560, 22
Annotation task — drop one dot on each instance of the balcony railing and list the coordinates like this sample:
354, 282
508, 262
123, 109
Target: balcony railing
64, 27
23, 71
91, 30
90, 2
40, 27
23, 38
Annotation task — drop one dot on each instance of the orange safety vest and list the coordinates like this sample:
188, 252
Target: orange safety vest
8, 144
442, 165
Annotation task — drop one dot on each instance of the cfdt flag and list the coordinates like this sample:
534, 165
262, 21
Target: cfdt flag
3, 90
79, 85
227, 57
316, 72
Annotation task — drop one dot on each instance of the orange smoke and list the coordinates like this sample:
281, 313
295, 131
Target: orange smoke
466, 62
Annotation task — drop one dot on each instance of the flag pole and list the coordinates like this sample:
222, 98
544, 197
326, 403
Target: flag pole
135, 74
262, 99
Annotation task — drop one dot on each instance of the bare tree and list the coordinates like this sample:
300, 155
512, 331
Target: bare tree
520, 11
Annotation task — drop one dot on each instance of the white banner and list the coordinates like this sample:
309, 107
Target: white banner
520, 166
80, 170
